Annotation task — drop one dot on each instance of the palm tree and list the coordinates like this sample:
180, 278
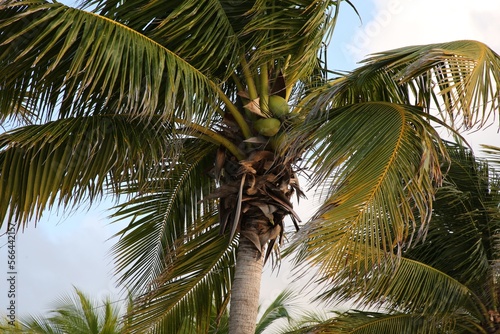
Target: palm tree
74, 314
199, 115
447, 284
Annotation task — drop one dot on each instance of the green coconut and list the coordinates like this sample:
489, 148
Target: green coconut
278, 106
267, 126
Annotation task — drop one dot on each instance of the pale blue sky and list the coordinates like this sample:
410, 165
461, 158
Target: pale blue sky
72, 250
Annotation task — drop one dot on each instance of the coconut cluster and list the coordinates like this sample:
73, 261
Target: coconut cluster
270, 126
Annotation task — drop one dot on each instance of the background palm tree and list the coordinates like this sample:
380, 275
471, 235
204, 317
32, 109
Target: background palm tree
446, 284
181, 111
74, 314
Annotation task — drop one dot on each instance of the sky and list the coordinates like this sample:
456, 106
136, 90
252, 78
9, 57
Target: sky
73, 250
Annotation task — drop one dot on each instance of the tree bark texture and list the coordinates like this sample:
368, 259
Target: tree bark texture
246, 289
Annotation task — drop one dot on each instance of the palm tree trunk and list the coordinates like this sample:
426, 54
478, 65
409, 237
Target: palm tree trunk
246, 289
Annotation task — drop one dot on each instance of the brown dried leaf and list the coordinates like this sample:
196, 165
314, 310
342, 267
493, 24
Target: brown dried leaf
254, 107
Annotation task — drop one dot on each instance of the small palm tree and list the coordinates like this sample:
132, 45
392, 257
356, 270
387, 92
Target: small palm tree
447, 284
199, 115
280, 309
75, 314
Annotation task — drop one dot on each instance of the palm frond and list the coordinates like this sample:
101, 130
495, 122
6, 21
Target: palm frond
294, 30
493, 154
158, 218
34, 325
76, 314
205, 33
454, 260
460, 78
381, 162
465, 220
68, 161
197, 278
306, 320
451, 271
53, 57
280, 308
213, 35
359, 322
463, 236
407, 286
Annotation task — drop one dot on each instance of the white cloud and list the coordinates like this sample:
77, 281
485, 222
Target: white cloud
51, 259
398, 23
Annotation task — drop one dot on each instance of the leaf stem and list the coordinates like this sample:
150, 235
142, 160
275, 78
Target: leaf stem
252, 90
238, 117
264, 89
214, 137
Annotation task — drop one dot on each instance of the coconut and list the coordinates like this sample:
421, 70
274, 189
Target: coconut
267, 126
278, 106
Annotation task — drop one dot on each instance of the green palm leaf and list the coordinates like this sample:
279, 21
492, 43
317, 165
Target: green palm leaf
465, 227
493, 154
292, 29
359, 322
450, 274
168, 207
280, 308
199, 276
459, 78
381, 162
71, 160
171, 253
76, 314
202, 32
409, 286
466, 212
88, 64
